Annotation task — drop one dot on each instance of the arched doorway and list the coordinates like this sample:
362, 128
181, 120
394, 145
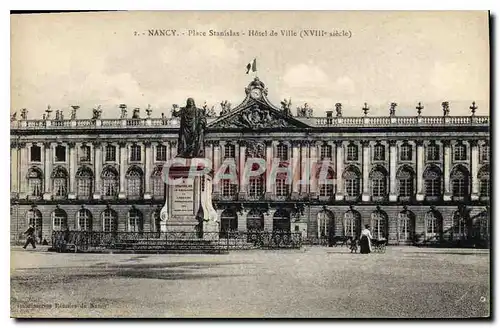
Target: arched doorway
34, 217
352, 224
228, 222
433, 226
379, 225
326, 225
406, 227
281, 220
255, 220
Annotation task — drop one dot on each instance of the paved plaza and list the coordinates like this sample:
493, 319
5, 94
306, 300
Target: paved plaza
307, 283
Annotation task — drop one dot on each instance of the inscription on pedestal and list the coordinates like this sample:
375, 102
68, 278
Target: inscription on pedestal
183, 199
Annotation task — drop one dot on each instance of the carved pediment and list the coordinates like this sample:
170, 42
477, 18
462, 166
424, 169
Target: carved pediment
256, 116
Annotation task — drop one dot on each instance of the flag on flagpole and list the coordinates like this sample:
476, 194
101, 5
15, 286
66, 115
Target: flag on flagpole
252, 66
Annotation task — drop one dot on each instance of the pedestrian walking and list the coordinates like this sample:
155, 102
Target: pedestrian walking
30, 237
365, 241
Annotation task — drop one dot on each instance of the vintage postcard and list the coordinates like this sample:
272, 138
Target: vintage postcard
250, 164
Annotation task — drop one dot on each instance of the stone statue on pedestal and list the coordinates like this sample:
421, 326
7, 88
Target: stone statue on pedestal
191, 133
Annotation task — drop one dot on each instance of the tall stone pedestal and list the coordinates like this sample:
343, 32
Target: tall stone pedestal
188, 203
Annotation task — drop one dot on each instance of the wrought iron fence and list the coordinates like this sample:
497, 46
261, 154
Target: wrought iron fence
88, 241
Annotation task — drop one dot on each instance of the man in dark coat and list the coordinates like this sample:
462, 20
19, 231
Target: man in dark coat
30, 237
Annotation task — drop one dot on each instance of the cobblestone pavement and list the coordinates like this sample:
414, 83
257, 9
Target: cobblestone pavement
307, 283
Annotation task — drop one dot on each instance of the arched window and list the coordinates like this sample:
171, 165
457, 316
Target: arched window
256, 187
282, 152
84, 181
432, 152
352, 224
406, 152
485, 153
60, 182
228, 222
59, 220
161, 153
34, 217
460, 228
378, 179
109, 221
228, 189
229, 151
282, 187
379, 152
135, 222
325, 186
110, 182
484, 181
352, 152
460, 182
351, 178
281, 220
134, 182
405, 179
84, 220
432, 182
158, 183
379, 224
326, 151
255, 220
326, 224
460, 152
406, 226
35, 182
433, 224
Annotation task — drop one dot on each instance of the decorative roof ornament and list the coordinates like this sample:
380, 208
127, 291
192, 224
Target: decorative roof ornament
149, 110
419, 108
366, 109
446, 108
338, 109
392, 109
473, 108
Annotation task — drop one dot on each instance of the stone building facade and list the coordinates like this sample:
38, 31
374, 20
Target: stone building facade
409, 177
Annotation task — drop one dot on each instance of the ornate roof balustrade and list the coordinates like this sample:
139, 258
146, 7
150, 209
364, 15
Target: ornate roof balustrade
377, 121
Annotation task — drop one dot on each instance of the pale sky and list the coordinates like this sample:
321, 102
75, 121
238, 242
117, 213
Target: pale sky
90, 59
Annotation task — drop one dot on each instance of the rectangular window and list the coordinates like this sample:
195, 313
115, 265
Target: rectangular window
60, 154
405, 153
85, 154
282, 151
352, 153
485, 153
110, 153
460, 152
135, 153
378, 153
326, 189
326, 152
433, 153
229, 151
35, 153
161, 153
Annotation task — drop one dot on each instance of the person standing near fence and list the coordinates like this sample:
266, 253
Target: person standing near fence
365, 241
30, 237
